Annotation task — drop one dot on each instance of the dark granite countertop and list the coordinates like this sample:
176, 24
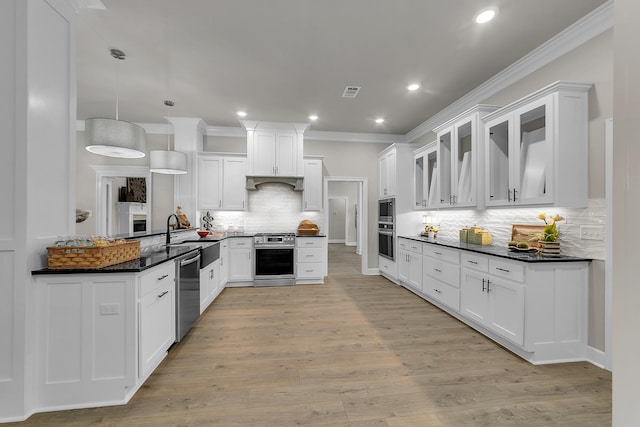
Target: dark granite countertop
313, 235
146, 261
499, 251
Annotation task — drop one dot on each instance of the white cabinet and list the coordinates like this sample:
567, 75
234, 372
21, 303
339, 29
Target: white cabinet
156, 316
222, 182
312, 194
311, 259
275, 149
425, 177
240, 259
459, 142
388, 268
210, 286
410, 263
441, 275
537, 149
224, 263
387, 174
130, 214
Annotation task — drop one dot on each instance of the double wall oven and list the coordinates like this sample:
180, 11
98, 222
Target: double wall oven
274, 255
386, 227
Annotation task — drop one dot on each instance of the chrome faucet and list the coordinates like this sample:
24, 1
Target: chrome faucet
168, 223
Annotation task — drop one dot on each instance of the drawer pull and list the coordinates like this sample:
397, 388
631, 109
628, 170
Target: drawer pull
483, 288
438, 291
163, 277
163, 294
503, 269
438, 270
309, 256
472, 262
309, 271
438, 253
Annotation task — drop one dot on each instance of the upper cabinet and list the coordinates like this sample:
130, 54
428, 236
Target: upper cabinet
387, 173
275, 149
312, 194
425, 189
221, 182
458, 153
537, 149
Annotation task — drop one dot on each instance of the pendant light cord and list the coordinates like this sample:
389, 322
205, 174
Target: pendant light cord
119, 56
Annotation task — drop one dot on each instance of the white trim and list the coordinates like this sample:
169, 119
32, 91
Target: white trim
363, 214
377, 138
608, 263
597, 357
104, 172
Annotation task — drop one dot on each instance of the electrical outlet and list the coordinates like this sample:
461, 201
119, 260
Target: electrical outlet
591, 232
113, 308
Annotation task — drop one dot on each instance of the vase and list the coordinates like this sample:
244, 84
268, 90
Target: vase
549, 248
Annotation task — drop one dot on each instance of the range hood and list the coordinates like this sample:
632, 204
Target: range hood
296, 183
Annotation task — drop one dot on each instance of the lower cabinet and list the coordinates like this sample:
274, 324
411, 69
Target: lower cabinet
441, 278
209, 284
388, 268
311, 259
224, 263
241, 260
410, 263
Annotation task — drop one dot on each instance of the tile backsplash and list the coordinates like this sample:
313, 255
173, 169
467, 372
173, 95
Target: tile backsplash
498, 222
274, 207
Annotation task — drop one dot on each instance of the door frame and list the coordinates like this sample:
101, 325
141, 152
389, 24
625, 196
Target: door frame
362, 216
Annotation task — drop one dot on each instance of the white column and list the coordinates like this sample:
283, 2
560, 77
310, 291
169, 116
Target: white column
189, 139
37, 175
626, 208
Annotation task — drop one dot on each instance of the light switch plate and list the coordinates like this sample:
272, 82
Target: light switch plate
112, 308
592, 232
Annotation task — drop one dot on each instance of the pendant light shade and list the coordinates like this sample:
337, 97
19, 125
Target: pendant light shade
115, 138
168, 162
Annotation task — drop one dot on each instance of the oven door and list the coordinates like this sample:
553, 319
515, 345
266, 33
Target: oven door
274, 265
386, 210
385, 244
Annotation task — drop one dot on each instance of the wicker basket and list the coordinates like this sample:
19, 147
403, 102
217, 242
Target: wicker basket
87, 257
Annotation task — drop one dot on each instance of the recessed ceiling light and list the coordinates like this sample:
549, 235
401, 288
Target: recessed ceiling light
379, 121
242, 113
313, 117
486, 15
413, 86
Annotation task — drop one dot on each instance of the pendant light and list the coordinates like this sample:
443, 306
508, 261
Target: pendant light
115, 138
168, 162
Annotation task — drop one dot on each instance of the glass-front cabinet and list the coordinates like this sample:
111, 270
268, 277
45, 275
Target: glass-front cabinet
536, 149
425, 173
459, 142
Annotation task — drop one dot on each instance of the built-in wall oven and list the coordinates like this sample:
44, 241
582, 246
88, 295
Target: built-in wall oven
387, 210
386, 237
274, 255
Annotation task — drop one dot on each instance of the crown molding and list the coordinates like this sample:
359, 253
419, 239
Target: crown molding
590, 26
377, 138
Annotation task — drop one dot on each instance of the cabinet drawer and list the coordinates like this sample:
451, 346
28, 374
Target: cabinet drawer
309, 270
410, 246
441, 270
448, 295
387, 267
241, 243
309, 255
309, 242
476, 262
438, 252
506, 269
159, 276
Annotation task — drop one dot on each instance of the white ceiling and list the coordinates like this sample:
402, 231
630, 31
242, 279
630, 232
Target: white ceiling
282, 60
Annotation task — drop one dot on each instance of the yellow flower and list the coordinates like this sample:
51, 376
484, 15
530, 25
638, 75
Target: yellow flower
557, 218
543, 216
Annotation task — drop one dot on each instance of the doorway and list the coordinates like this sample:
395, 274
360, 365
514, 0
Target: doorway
337, 219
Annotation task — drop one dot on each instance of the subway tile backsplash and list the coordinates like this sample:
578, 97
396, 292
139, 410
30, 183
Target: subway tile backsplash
274, 207
498, 222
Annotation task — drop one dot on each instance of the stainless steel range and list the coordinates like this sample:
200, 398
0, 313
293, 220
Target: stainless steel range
274, 255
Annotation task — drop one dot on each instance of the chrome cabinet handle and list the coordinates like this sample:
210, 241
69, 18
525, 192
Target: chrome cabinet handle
438, 253
438, 270
163, 277
503, 269
163, 294
483, 288
438, 291
472, 262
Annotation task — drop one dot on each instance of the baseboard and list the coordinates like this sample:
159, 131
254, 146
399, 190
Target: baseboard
596, 357
351, 244
373, 272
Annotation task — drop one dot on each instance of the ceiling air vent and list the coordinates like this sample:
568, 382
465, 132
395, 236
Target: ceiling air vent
351, 91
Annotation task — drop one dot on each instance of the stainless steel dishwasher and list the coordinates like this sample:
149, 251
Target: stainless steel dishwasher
187, 293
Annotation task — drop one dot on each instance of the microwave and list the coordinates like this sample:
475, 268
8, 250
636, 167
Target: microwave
386, 210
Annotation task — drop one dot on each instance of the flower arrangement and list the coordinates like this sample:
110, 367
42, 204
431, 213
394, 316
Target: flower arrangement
550, 232
431, 228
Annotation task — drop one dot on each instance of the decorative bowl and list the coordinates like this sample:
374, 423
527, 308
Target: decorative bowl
203, 233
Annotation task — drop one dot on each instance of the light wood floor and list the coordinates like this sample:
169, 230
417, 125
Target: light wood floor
356, 351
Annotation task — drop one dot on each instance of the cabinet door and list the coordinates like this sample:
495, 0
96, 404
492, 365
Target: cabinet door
425, 194
415, 270
235, 183
264, 154
403, 266
498, 156
312, 195
419, 182
445, 173
533, 148
224, 263
205, 287
286, 154
474, 298
391, 175
210, 182
463, 174
507, 309
157, 327
383, 176
240, 260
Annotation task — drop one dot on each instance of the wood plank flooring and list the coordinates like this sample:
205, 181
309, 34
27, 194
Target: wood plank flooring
357, 351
